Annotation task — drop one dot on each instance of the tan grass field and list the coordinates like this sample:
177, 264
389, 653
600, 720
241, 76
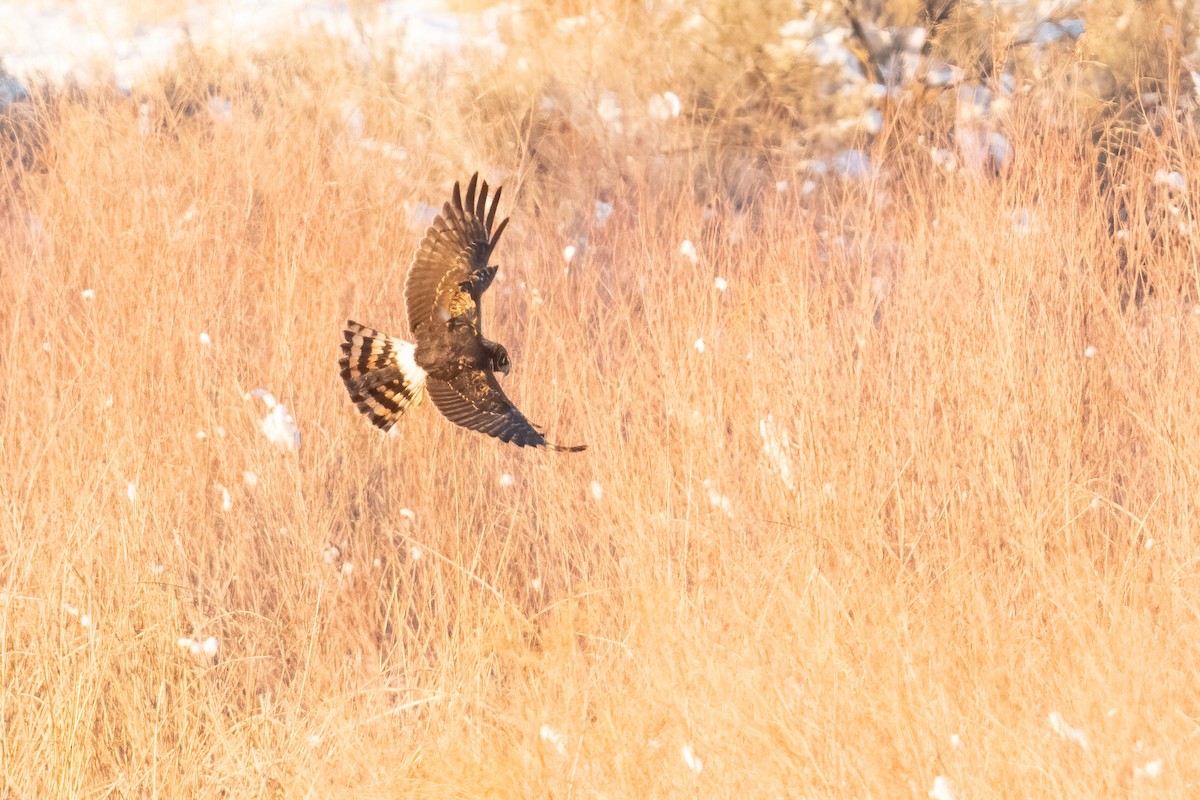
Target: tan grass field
987, 520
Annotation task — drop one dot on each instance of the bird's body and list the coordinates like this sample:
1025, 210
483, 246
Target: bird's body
444, 351
449, 360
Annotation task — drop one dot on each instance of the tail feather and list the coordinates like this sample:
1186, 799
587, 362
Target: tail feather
380, 374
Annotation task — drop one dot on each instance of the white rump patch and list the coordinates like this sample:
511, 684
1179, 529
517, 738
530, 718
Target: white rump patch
406, 353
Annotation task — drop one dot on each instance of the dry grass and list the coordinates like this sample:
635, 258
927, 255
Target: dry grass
981, 525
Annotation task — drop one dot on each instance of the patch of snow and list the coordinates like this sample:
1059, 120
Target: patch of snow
93, 41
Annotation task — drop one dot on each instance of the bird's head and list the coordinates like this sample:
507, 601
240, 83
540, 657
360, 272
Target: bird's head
500, 360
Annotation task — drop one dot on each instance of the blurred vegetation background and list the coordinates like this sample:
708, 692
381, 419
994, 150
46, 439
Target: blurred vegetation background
877, 319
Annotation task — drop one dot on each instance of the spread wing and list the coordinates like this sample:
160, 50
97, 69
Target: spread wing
474, 400
450, 270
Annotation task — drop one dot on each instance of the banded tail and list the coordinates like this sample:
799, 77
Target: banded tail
380, 373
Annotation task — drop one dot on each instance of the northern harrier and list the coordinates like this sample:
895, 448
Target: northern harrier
448, 359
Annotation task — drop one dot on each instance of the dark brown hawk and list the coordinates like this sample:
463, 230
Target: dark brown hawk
448, 359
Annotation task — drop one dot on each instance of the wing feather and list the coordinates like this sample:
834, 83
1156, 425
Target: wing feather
474, 400
450, 270
491, 217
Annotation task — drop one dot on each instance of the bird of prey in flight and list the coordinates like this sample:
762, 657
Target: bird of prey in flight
448, 360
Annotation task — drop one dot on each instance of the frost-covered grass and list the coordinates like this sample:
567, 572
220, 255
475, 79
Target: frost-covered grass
891, 489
